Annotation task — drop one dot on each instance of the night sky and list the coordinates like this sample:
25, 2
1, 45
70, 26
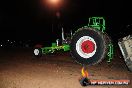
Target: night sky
30, 19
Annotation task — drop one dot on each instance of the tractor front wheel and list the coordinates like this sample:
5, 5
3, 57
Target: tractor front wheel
38, 52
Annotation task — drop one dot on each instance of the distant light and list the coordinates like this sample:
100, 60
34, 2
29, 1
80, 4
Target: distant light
1, 45
11, 42
54, 1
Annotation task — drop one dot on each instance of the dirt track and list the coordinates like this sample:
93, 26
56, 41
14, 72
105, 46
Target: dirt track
19, 69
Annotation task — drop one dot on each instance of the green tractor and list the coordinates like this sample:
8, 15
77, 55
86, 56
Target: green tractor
56, 46
88, 45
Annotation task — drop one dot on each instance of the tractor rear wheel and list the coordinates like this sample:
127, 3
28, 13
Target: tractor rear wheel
88, 46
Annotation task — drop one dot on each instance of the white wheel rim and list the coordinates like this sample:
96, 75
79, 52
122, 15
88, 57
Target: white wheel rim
36, 52
79, 49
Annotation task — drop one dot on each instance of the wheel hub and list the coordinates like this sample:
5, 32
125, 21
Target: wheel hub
88, 46
36, 51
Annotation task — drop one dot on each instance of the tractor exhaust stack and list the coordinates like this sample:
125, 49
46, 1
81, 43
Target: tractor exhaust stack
63, 38
71, 34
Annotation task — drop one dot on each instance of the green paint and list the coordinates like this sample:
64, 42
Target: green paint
97, 23
54, 47
110, 53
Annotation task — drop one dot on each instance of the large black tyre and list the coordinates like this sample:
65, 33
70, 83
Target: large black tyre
37, 52
98, 42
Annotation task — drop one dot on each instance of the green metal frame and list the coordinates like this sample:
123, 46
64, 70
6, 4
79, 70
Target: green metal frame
110, 53
54, 47
97, 23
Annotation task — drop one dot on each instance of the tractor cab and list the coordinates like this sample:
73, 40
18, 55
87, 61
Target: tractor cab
97, 23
